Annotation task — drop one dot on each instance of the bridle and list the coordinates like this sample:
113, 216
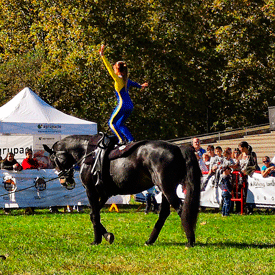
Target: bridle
66, 176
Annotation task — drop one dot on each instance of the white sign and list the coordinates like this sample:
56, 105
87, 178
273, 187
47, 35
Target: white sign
261, 191
211, 197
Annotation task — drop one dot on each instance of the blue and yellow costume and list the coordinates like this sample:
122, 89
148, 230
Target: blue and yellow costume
125, 105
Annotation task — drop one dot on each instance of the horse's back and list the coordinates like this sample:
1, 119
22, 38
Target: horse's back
163, 158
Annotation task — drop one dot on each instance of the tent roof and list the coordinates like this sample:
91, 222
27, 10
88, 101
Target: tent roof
28, 107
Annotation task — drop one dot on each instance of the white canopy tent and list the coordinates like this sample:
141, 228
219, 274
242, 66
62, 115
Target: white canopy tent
28, 121
27, 113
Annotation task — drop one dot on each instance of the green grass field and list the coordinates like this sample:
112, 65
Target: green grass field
46, 243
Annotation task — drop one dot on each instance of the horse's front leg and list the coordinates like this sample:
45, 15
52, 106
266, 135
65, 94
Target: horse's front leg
99, 229
95, 217
96, 203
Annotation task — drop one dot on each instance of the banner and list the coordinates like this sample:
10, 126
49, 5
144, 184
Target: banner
18, 144
211, 197
39, 153
15, 144
26, 195
261, 191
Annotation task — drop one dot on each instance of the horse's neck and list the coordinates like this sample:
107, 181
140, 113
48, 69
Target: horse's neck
78, 151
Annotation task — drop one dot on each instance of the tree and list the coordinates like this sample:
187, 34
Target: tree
210, 64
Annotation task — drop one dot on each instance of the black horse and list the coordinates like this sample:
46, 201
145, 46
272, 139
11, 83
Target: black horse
146, 164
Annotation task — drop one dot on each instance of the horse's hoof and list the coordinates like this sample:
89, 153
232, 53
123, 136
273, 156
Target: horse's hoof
148, 243
188, 245
109, 237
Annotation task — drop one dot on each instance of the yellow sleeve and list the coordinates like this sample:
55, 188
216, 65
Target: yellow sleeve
119, 83
109, 68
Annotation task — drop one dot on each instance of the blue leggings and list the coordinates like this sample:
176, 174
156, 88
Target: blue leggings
116, 124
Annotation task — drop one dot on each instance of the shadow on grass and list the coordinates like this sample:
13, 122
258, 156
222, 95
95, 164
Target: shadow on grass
222, 244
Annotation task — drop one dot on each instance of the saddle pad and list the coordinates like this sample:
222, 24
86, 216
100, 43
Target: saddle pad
124, 150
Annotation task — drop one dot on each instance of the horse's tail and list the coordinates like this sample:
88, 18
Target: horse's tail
192, 185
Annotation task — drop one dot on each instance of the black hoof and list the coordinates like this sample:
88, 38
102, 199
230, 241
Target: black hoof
189, 245
191, 241
109, 237
148, 243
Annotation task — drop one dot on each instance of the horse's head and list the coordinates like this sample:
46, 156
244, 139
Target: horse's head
63, 162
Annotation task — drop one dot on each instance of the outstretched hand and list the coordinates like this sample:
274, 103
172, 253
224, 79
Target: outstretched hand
101, 49
144, 85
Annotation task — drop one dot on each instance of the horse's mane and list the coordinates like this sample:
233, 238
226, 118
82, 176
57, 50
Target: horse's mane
75, 141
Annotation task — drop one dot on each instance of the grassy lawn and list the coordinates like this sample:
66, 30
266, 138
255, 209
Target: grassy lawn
46, 243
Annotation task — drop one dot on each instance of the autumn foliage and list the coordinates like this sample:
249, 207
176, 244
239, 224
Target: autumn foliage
209, 64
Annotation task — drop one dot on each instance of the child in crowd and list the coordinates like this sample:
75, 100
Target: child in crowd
206, 160
216, 161
228, 149
226, 187
236, 154
219, 157
202, 165
228, 161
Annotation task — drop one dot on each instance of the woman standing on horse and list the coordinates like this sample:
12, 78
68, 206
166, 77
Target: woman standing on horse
124, 108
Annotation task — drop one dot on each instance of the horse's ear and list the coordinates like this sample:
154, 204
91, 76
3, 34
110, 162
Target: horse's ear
48, 149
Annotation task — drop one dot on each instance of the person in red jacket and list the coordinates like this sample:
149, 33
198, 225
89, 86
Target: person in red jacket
29, 162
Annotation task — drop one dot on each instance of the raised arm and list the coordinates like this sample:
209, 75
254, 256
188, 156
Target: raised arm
107, 63
265, 173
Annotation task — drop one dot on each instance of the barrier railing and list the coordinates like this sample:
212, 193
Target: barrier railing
237, 193
238, 189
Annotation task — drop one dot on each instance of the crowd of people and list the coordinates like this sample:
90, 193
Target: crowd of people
214, 158
10, 163
219, 165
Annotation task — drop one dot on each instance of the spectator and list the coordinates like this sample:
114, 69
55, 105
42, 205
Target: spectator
219, 157
254, 156
247, 159
202, 165
206, 160
212, 165
150, 198
228, 149
29, 162
10, 163
218, 163
212, 155
236, 154
268, 169
226, 187
197, 146
248, 165
227, 160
